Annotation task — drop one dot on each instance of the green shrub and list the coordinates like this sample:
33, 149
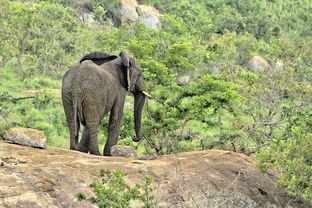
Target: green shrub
112, 191
293, 159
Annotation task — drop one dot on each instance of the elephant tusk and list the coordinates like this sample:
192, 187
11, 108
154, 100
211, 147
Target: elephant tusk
146, 94
128, 78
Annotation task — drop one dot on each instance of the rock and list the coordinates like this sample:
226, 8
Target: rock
123, 151
258, 64
52, 177
26, 136
149, 16
278, 65
130, 3
183, 80
87, 19
126, 15
216, 69
29, 199
131, 12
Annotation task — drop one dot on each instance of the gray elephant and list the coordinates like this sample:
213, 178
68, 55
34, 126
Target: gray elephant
95, 87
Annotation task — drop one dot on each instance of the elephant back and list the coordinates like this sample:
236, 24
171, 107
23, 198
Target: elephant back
98, 57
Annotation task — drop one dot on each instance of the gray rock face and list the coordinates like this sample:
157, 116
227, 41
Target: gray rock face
26, 136
123, 151
258, 64
148, 16
127, 15
130, 12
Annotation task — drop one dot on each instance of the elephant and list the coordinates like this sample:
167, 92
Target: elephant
96, 86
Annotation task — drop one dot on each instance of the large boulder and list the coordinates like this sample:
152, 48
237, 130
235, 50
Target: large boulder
149, 16
52, 177
26, 136
131, 12
123, 151
257, 64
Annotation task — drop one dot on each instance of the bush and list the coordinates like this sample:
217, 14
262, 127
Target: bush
112, 191
293, 159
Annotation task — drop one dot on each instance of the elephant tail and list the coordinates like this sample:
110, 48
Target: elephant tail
75, 106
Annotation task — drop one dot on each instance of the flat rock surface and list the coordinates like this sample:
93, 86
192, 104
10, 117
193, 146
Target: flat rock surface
52, 177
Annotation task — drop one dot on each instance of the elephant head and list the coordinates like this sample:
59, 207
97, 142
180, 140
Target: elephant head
135, 85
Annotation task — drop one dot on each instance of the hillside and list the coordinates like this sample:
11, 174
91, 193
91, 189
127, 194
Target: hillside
53, 177
223, 74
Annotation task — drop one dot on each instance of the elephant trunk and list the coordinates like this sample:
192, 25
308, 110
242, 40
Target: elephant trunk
139, 100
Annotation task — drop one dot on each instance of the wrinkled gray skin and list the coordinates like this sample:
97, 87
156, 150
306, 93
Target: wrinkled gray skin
95, 87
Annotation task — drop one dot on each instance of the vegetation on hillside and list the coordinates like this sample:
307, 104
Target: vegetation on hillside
268, 113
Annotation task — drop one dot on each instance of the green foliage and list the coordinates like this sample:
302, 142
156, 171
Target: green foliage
110, 6
292, 157
26, 38
111, 190
207, 96
174, 106
99, 13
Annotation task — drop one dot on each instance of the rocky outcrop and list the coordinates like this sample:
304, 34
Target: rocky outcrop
26, 136
257, 64
31, 177
131, 12
123, 151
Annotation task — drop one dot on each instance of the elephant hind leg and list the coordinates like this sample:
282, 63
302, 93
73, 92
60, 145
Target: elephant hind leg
84, 142
92, 122
93, 145
70, 117
74, 135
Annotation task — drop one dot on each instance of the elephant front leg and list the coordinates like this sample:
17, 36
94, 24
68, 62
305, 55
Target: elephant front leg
114, 125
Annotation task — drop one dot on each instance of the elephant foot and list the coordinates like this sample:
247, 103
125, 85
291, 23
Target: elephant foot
136, 139
73, 147
107, 154
95, 153
82, 148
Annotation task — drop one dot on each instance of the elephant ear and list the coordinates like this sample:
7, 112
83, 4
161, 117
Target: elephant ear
125, 59
99, 57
